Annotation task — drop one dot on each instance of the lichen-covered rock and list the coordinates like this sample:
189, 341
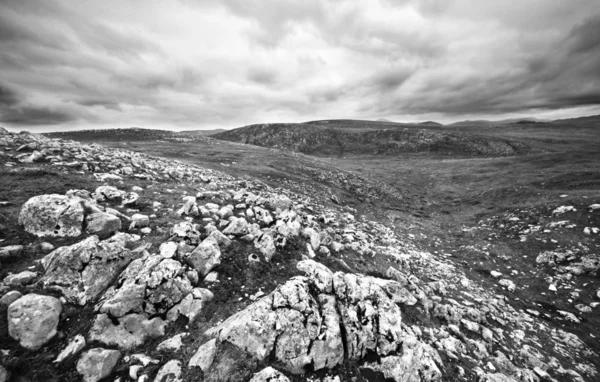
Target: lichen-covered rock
83, 271
32, 320
185, 231
131, 331
237, 227
96, 364
53, 215
266, 245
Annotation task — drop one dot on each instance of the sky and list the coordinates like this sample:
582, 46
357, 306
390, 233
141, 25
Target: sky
206, 64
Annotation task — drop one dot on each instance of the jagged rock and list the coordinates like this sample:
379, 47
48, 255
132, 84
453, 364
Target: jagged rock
32, 320
151, 284
52, 215
266, 246
221, 239
73, 348
102, 224
205, 257
10, 297
96, 364
132, 330
237, 227
321, 276
204, 356
268, 374
21, 278
169, 372
312, 236
83, 271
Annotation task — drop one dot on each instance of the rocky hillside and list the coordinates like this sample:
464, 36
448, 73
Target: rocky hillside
369, 138
121, 266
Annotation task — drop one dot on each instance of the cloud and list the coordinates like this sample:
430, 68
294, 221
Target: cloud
208, 63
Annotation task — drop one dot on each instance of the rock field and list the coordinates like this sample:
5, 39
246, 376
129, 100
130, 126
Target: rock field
136, 292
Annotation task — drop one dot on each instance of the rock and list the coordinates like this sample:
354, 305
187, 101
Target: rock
96, 364
172, 344
279, 202
318, 273
73, 348
32, 320
102, 224
191, 305
495, 274
21, 278
552, 288
131, 331
110, 193
170, 372
46, 247
91, 265
268, 374
508, 284
52, 215
140, 221
11, 251
313, 237
130, 199
185, 231
205, 257
204, 356
237, 227
9, 298
266, 246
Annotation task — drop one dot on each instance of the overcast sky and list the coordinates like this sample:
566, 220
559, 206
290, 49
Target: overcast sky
203, 64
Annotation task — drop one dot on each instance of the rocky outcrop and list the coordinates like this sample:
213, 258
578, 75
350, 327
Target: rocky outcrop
301, 324
32, 320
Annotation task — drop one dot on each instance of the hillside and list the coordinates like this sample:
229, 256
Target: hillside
343, 137
221, 261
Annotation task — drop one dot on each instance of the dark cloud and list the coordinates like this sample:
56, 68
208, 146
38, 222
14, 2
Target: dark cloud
107, 104
32, 115
8, 97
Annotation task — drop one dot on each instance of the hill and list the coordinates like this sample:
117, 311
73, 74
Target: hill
344, 137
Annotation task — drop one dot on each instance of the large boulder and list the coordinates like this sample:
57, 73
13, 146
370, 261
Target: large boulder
83, 271
53, 215
32, 320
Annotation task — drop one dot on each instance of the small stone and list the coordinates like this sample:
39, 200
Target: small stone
21, 278
552, 288
172, 344
140, 220
495, 274
97, 363
102, 224
11, 251
269, 374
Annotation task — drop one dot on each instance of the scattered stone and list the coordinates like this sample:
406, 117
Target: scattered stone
102, 224
32, 320
9, 298
21, 278
269, 374
205, 257
11, 251
131, 331
139, 221
172, 344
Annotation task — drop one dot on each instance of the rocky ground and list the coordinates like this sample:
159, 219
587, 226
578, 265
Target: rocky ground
119, 265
